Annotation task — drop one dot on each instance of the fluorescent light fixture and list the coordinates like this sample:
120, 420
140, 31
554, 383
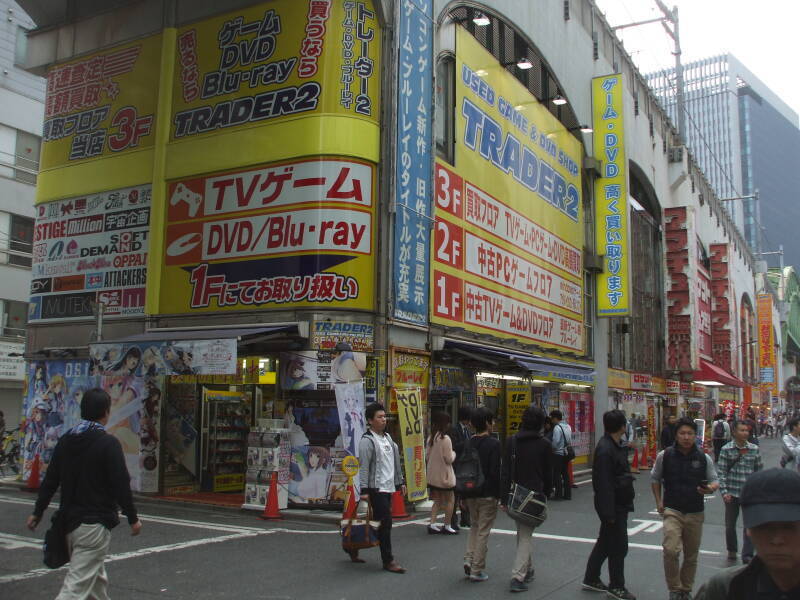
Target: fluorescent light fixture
709, 383
481, 72
540, 381
499, 376
586, 129
524, 64
481, 20
559, 100
519, 108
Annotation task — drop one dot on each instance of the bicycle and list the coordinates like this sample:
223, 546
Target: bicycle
10, 452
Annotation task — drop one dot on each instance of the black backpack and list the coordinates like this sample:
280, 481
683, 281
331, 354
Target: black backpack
469, 473
719, 431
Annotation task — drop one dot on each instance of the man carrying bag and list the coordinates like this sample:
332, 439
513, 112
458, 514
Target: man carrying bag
527, 477
89, 466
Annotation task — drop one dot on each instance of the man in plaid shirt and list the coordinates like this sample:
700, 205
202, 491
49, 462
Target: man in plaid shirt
737, 459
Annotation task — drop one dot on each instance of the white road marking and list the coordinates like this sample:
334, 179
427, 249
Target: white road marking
646, 526
10, 541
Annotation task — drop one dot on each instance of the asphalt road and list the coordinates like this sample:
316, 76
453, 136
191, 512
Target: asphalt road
199, 553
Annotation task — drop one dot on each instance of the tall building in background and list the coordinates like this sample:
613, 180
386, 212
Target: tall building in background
747, 140
21, 116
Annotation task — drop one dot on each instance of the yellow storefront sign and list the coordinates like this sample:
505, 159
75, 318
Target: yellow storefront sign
289, 234
410, 410
518, 398
620, 380
508, 241
101, 105
611, 197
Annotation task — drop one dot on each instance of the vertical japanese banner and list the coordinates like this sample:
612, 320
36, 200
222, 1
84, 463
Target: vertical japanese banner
766, 345
611, 197
409, 408
518, 398
414, 161
652, 434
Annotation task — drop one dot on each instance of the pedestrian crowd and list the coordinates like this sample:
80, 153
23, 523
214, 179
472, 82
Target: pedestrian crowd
472, 477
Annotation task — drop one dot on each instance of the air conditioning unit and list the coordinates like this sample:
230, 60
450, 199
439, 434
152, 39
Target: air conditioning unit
676, 154
593, 262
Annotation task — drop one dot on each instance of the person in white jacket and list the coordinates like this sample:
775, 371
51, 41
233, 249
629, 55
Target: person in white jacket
791, 446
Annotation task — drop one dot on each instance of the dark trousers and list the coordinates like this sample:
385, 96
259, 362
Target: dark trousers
718, 444
460, 503
561, 477
612, 544
731, 539
382, 511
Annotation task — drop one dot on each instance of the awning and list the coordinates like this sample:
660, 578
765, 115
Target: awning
160, 335
533, 364
711, 372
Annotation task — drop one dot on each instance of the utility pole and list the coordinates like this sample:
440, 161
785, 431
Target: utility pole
674, 33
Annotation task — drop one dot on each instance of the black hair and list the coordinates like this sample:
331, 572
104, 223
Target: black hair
745, 423
464, 413
480, 419
613, 421
557, 414
532, 419
686, 422
95, 404
719, 416
793, 423
372, 410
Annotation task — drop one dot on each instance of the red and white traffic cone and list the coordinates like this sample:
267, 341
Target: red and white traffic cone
271, 510
35, 475
398, 506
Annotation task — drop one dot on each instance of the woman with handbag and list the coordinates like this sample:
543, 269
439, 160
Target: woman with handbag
441, 478
527, 473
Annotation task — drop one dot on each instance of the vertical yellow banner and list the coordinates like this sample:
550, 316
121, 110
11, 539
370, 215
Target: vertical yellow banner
766, 345
518, 398
409, 409
611, 197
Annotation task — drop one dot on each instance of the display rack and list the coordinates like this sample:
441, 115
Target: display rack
268, 450
227, 449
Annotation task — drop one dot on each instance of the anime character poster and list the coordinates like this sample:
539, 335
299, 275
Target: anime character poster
350, 404
52, 407
187, 357
321, 370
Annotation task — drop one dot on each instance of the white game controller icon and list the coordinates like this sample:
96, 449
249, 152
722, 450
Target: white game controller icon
184, 194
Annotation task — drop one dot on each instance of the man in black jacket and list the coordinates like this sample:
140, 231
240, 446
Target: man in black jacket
459, 434
533, 469
668, 433
613, 500
89, 466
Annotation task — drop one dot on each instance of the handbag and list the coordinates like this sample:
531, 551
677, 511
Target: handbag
570, 455
524, 505
358, 534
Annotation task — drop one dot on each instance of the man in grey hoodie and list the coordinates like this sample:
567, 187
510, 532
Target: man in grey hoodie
380, 476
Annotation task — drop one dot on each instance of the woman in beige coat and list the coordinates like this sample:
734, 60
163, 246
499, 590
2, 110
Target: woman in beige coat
441, 478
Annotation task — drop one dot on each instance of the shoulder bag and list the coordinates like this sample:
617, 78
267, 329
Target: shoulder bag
360, 533
524, 505
570, 451
55, 547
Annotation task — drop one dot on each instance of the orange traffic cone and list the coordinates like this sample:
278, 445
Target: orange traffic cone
398, 506
33, 478
271, 510
350, 503
635, 465
643, 459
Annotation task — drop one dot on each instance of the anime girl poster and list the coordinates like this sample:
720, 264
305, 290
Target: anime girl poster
311, 470
350, 404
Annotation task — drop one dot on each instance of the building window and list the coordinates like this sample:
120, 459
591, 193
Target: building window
20, 243
443, 121
26, 157
13, 317
21, 46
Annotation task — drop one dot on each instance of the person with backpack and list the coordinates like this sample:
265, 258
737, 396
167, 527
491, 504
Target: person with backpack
441, 478
459, 434
528, 462
562, 444
478, 481
790, 444
720, 434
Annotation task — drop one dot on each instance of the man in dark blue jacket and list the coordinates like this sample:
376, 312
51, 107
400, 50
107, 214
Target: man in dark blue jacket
89, 466
613, 500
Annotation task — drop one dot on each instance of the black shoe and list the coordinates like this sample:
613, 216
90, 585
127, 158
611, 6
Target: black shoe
619, 593
465, 523
517, 586
529, 576
594, 586
434, 530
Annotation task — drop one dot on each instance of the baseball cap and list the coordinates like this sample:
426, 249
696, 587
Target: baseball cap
769, 496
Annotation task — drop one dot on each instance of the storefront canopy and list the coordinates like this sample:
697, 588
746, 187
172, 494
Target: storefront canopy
165, 335
711, 372
531, 363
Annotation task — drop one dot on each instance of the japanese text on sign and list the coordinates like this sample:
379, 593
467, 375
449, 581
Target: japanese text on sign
413, 178
613, 284
410, 409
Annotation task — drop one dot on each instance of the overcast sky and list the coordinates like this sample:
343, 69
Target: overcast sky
762, 34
